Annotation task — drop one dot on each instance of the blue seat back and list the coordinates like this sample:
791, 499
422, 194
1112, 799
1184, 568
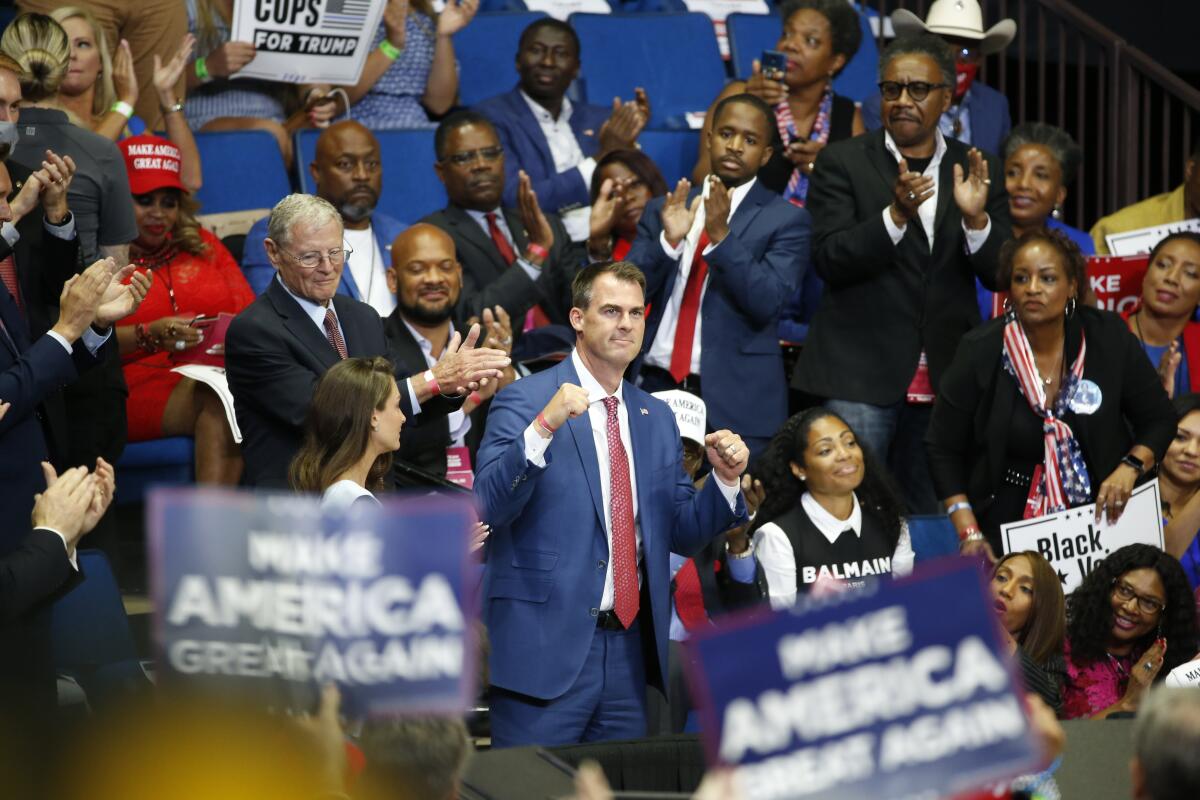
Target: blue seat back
242, 170
168, 461
673, 56
933, 536
673, 151
88, 624
487, 53
411, 188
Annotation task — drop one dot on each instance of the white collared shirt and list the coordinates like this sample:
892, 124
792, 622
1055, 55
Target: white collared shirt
459, 422
368, 267
567, 155
927, 211
774, 550
664, 340
481, 218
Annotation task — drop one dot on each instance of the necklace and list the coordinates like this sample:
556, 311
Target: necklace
1122, 672
159, 262
1137, 324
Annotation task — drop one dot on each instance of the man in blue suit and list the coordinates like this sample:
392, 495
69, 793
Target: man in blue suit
555, 142
721, 261
581, 478
348, 172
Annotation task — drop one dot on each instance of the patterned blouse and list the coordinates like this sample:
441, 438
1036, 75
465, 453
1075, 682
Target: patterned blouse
1091, 688
395, 99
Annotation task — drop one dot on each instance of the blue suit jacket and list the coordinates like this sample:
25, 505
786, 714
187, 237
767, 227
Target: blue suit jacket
990, 119
753, 273
258, 269
545, 562
525, 147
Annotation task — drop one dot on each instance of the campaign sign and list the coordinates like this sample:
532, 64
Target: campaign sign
898, 690
1142, 240
307, 41
1074, 543
1116, 281
260, 596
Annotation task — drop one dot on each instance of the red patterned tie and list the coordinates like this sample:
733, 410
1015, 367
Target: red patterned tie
500, 240
334, 334
689, 597
689, 309
624, 545
8, 274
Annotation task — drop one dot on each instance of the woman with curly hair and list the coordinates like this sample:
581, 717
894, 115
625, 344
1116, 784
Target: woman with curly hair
194, 277
1029, 605
1132, 620
830, 512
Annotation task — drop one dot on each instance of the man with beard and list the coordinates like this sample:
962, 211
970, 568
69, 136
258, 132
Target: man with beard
427, 281
720, 262
518, 258
348, 172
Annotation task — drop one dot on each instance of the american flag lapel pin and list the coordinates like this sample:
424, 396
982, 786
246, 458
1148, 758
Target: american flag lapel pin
645, 412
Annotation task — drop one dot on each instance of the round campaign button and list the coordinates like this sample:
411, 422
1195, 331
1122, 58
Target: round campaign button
1086, 398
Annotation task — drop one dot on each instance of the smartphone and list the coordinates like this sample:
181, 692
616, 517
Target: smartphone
774, 65
203, 321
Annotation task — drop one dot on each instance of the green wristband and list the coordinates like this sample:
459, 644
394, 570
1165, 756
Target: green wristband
202, 70
390, 50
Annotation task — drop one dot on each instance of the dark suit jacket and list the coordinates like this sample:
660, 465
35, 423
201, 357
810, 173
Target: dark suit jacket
884, 303
752, 274
488, 281
968, 434
988, 110
525, 147
274, 355
31, 573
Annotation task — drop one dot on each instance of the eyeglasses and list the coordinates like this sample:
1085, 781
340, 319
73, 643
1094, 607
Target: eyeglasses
488, 154
1147, 605
917, 90
313, 260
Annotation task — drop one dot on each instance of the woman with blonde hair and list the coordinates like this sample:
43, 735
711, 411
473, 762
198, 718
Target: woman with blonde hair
100, 91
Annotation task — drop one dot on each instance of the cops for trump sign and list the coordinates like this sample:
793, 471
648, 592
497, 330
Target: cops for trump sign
307, 41
898, 690
260, 595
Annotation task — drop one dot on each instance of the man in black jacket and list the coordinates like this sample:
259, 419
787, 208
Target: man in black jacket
904, 220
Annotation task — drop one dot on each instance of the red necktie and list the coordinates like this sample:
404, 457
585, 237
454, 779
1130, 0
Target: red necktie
8, 274
536, 318
621, 249
689, 598
333, 334
624, 544
689, 309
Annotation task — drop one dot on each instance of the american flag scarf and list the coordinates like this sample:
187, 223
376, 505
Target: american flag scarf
797, 186
1064, 480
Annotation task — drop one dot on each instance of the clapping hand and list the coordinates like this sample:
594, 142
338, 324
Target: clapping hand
498, 326
455, 16
121, 299
537, 227
167, 75
124, 78
620, 131
49, 186
677, 215
463, 366
910, 190
971, 190
1168, 365
716, 211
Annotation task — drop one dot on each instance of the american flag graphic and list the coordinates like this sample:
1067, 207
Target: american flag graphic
345, 15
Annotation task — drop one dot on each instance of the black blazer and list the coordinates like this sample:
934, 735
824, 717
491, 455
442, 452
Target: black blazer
883, 303
274, 355
488, 281
967, 437
31, 573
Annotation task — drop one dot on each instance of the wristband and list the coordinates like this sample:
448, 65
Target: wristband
475, 398
541, 420
122, 108
390, 50
431, 382
961, 505
537, 251
202, 70
970, 534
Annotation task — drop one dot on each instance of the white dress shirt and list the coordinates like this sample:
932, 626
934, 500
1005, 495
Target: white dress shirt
927, 211
481, 217
664, 340
535, 451
567, 155
368, 267
774, 550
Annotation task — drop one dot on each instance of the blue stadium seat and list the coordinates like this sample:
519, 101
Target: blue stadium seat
169, 461
623, 51
750, 34
933, 536
673, 151
486, 51
500, 6
411, 188
242, 170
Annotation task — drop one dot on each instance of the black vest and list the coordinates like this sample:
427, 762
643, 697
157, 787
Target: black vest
850, 558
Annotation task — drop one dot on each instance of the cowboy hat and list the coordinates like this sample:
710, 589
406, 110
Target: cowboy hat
962, 19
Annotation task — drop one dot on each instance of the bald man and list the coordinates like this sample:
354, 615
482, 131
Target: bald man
426, 280
348, 172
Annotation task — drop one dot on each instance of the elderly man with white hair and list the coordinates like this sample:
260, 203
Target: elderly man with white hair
278, 347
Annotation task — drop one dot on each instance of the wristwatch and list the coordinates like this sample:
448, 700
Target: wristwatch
1134, 462
749, 551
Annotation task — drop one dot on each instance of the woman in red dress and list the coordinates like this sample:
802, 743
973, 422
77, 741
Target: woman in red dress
194, 275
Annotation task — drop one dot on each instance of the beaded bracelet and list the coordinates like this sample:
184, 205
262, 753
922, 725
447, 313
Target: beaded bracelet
143, 339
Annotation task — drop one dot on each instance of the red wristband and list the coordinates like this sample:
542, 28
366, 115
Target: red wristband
431, 382
536, 250
541, 420
475, 398
967, 531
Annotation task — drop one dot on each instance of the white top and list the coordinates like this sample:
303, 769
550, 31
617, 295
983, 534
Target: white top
567, 155
535, 451
684, 254
339, 497
368, 267
774, 550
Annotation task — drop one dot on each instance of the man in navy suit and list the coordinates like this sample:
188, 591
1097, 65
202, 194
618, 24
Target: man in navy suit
555, 142
581, 478
721, 261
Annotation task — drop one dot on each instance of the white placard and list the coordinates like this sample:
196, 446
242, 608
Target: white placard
1074, 543
561, 9
1187, 674
1142, 240
307, 41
